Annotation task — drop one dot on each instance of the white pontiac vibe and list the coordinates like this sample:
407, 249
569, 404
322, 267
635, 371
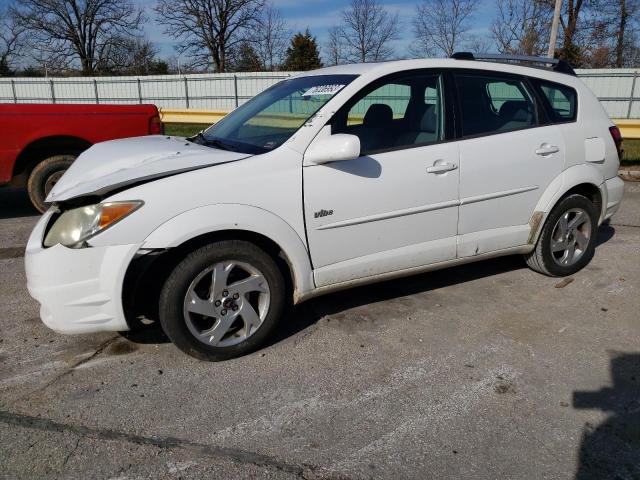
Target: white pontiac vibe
334, 178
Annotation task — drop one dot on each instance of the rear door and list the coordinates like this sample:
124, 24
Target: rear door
509, 154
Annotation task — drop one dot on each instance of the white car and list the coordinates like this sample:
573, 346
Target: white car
333, 178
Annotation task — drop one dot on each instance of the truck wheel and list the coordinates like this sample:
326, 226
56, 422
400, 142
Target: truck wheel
44, 176
567, 240
223, 300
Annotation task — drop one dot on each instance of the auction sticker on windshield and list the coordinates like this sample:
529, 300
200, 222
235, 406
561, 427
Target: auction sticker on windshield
323, 90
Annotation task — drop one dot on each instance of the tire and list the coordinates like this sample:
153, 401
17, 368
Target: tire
552, 254
190, 289
44, 176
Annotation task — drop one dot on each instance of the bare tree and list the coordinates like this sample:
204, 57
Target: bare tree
84, 31
208, 30
11, 42
441, 26
478, 44
335, 46
133, 56
571, 50
270, 37
522, 27
366, 30
608, 33
624, 19
590, 30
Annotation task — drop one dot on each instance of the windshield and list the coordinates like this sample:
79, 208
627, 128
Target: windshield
269, 119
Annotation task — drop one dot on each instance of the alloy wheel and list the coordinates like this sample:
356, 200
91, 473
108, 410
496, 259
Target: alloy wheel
226, 303
570, 237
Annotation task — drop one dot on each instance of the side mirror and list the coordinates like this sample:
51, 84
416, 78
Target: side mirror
333, 148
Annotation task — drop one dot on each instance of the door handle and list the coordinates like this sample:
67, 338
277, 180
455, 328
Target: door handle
441, 167
546, 149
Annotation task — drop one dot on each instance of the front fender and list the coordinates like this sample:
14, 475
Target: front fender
571, 177
214, 218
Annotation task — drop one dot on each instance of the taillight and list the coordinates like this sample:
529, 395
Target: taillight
155, 126
617, 139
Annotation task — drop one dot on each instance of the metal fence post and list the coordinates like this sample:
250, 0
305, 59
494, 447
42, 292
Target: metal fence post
235, 88
186, 91
139, 91
13, 90
633, 89
53, 91
95, 90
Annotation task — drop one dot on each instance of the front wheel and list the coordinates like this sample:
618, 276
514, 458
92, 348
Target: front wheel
44, 176
567, 241
223, 300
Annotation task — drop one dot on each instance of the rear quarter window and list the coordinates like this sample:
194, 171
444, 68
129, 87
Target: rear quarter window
562, 100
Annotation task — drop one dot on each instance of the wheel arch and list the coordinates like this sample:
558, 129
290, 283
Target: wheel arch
584, 179
44, 147
172, 240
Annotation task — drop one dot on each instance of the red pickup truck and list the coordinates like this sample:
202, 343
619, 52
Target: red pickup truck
38, 142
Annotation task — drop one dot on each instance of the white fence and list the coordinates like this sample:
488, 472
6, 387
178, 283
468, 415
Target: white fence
206, 91
617, 89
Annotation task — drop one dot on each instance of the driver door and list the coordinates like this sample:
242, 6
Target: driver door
396, 206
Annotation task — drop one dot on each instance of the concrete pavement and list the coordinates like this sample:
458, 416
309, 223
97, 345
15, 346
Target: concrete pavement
483, 371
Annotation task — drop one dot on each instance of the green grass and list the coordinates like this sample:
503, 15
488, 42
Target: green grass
631, 152
631, 147
183, 129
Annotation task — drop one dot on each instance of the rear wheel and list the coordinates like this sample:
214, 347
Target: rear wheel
223, 300
567, 241
44, 177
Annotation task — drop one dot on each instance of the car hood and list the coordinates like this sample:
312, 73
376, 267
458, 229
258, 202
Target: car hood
116, 164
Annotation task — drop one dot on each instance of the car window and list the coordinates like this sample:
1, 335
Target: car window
492, 104
395, 95
562, 100
270, 118
501, 92
398, 113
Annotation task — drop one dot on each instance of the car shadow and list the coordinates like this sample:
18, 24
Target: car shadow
300, 317
366, 167
605, 233
150, 333
15, 203
611, 450
306, 314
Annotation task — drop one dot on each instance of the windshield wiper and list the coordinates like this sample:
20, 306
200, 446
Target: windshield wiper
217, 143
202, 140
198, 136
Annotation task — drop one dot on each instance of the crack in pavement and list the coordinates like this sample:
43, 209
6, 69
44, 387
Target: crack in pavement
624, 225
72, 451
304, 471
99, 349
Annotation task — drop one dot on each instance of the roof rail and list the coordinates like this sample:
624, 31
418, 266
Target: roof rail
557, 65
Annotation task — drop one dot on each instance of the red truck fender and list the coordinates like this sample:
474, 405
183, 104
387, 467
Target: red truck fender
38, 142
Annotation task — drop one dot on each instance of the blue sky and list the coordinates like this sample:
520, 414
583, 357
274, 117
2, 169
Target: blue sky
319, 15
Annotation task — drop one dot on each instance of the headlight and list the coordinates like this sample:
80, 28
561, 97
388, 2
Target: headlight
76, 226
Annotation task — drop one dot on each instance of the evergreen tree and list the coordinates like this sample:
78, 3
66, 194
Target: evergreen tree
247, 59
303, 53
5, 71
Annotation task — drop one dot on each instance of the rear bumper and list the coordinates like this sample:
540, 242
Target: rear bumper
79, 290
615, 192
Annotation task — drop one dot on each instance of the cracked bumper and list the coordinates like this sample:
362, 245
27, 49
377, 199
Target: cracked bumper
79, 290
